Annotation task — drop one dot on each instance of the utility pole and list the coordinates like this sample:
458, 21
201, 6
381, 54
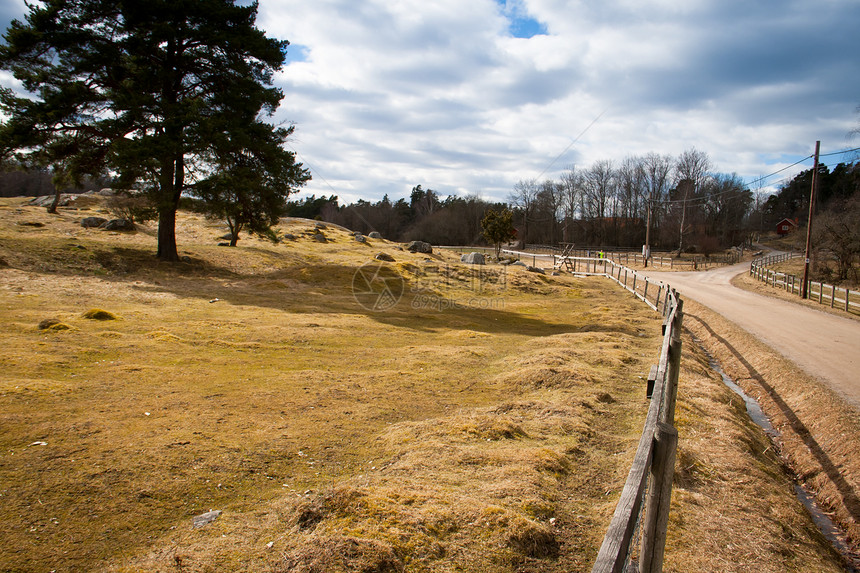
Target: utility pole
804, 287
646, 248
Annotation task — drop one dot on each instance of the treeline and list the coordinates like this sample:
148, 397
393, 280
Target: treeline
424, 216
836, 221
15, 181
667, 202
674, 203
832, 189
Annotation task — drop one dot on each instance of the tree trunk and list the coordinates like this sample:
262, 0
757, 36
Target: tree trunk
172, 179
52, 208
167, 235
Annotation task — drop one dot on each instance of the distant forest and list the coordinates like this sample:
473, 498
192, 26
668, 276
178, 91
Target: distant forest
603, 205
16, 182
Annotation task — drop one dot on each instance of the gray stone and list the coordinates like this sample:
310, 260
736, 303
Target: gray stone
374, 235
320, 238
205, 518
118, 225
320, 226
361, 238
93, 222
419, 247
518, 264
289, 237
535, 270
384, 257
473, 259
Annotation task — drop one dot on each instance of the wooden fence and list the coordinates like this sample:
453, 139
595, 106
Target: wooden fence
696, 263
654, 294
549, 256
835, 297
644, 502
649, 483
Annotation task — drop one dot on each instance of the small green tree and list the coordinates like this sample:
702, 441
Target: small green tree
250, 187
498, 228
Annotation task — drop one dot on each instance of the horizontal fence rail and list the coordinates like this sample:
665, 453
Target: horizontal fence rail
548, 256
823, 293
644, 502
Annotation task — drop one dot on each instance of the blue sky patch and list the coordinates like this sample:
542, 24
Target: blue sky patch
296, 53
520, 24
526, 28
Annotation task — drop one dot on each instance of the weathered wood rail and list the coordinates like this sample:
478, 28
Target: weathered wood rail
647, 492
644, 502
698, 262
835, 297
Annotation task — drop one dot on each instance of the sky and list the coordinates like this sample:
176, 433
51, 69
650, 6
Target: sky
468, 97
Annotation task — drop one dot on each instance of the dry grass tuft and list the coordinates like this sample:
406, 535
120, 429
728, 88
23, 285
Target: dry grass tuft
53, 325
99, 314
336, 553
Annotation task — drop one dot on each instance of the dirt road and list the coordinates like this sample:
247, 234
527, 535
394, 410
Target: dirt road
824, 345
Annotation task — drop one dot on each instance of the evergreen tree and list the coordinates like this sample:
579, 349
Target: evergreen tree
498, 227
164, 93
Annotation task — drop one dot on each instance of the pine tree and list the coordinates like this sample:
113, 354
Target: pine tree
160, 93
498, 227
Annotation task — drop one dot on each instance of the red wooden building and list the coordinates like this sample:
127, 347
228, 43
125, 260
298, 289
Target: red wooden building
786, 226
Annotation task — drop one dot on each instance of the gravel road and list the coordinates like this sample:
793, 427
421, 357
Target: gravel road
824, 345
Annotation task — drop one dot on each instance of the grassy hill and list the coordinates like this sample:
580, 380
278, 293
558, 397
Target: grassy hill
484, 422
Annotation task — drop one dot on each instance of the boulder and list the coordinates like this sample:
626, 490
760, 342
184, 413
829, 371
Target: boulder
419, 247
205, 518
384, 257
374, 235
518, 264
118, 225
535, 270
93, 222
320, 238
473, 259
360, 238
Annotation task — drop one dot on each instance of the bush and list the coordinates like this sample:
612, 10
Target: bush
131, 206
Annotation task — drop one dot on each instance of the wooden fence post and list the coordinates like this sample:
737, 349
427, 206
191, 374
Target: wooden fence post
658, 498
671, 387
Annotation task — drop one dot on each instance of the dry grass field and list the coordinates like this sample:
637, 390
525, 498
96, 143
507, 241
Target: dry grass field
485, 422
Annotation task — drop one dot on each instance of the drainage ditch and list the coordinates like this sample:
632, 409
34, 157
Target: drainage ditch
829, 529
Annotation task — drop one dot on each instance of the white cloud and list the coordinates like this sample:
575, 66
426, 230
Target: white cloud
387, 95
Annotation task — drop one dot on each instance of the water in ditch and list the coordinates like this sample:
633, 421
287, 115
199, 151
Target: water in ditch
833, 534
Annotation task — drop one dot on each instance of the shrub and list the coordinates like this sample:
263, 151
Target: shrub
131, 206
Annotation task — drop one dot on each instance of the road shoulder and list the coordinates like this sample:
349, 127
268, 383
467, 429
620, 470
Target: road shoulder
820, 432
745, 282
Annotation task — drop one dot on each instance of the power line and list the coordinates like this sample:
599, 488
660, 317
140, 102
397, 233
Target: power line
551, 163
839, 152
768, 176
